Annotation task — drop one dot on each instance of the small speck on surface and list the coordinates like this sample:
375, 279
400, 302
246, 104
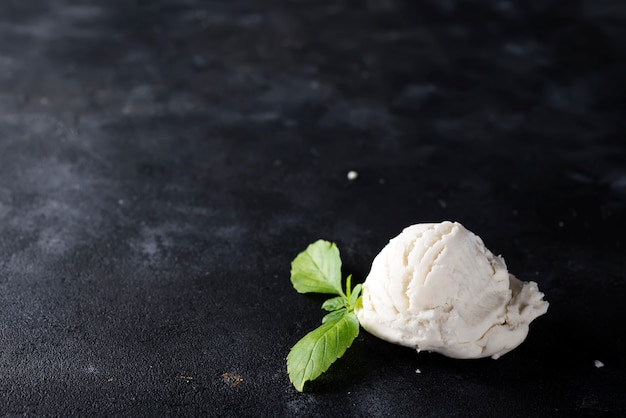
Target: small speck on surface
418, 371
232, 379
598, 363
352, 175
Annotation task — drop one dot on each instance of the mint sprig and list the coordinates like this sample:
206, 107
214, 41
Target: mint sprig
318, 270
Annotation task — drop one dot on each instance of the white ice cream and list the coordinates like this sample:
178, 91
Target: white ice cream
436, 287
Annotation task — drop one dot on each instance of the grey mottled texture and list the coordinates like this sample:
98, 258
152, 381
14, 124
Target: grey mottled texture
161, 163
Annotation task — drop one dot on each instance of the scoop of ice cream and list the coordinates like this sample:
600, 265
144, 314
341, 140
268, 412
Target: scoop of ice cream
436, 287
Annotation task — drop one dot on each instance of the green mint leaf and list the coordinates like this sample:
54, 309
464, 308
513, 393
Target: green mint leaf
317, 269
348, 286
359, 303
333, 315
354, 295
316, 351
335, 303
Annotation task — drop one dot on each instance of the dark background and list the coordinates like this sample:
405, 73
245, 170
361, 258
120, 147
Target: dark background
162, 162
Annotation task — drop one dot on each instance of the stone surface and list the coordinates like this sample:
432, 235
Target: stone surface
162, 162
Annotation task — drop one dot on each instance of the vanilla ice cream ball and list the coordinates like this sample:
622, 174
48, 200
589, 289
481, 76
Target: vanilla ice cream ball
436, 287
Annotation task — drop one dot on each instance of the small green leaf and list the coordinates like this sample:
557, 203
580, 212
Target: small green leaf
316, 351
335, 303
359, 303
355, 295
348, 286
333, 315
317, 269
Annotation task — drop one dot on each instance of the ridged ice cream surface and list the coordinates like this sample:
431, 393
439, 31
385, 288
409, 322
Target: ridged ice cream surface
436, 287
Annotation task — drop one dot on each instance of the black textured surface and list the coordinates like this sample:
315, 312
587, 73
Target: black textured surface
162, 162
